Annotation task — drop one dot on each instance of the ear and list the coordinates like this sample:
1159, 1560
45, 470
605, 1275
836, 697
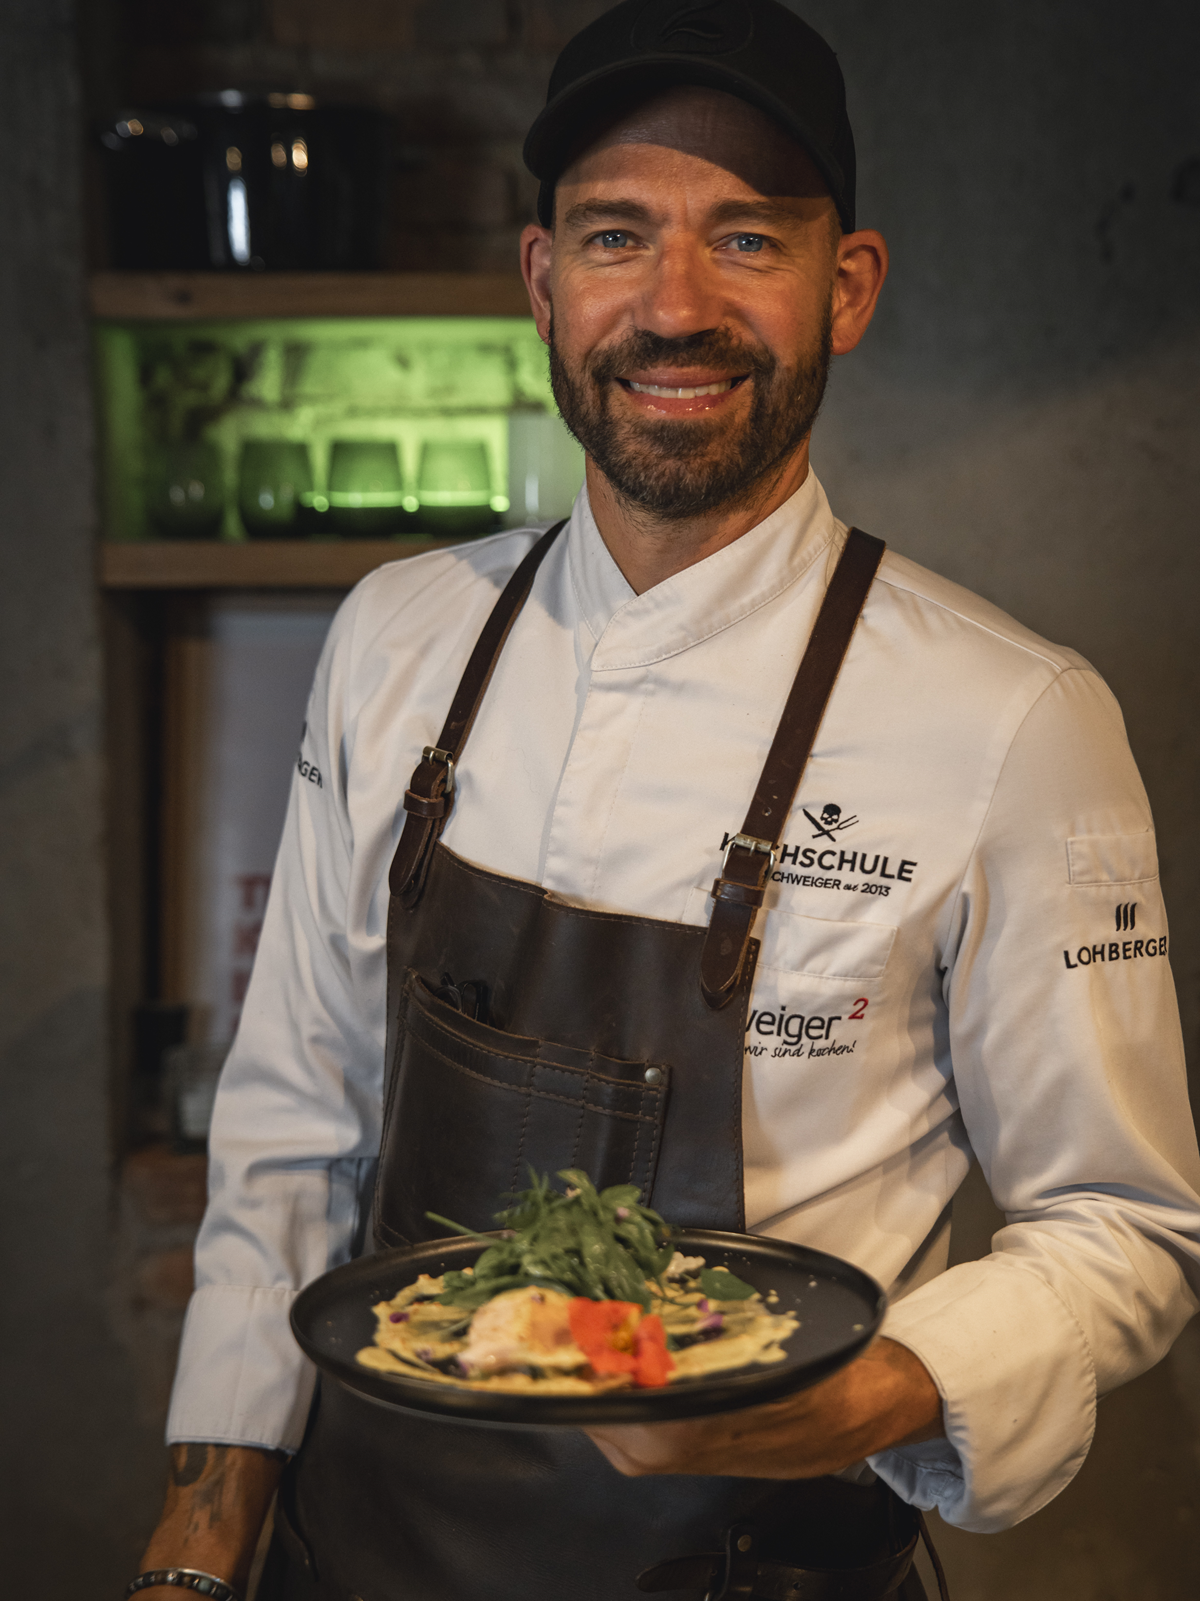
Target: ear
862, 266
537, 244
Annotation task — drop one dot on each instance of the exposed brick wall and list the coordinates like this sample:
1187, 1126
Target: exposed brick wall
461, 80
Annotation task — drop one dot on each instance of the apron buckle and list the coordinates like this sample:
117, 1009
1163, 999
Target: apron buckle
431, 753
749, 843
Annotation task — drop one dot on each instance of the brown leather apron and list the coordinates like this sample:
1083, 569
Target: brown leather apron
527, 1032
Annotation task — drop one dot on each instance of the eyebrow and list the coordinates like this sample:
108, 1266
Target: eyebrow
772, 212
588, 213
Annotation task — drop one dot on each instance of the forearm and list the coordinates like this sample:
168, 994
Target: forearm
217, 1499
885, 1398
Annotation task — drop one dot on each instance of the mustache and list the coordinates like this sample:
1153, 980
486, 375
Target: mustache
711, 347
678, 469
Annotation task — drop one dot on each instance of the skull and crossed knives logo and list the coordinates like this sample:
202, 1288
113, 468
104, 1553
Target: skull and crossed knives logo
830, 823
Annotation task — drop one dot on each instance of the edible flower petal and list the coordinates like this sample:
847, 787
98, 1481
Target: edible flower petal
654, 1362
606, 1333
616, 1337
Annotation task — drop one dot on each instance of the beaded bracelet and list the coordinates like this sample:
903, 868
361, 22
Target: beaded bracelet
184, 1579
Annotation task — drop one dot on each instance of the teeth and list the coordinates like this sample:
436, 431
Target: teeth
718, 388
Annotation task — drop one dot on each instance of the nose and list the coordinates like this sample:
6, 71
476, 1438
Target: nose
681, 293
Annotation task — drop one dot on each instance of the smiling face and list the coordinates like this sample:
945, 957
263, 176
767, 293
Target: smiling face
689, 297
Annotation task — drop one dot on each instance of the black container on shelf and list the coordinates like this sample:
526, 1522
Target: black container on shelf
274, 479
240, 182
186, 485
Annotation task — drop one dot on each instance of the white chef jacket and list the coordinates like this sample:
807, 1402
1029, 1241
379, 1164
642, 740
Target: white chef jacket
964, 949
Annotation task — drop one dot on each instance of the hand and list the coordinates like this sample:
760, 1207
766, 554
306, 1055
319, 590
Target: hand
217, 1499
884, 1398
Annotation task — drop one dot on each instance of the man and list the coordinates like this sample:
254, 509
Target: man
937, 971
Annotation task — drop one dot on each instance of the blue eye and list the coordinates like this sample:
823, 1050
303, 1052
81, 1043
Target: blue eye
614, 239
748, 242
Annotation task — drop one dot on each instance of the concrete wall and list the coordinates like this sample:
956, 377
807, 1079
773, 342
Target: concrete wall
1023, 414
1025, 417
80, 1473
1022, 418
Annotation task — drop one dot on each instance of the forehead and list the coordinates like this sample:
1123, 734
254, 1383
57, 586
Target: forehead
699, 128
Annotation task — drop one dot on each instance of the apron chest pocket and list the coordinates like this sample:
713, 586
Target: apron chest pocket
470, 1109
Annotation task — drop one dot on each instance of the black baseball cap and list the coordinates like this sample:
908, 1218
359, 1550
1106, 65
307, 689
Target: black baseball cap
757, 50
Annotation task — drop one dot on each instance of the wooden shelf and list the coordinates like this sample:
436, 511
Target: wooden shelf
273, 564
185, 295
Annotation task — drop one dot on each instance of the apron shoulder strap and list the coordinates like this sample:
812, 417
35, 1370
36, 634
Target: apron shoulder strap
428, 798
750, 855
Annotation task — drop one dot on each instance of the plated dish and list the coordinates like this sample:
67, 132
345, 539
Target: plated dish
584, 1294
644, 1322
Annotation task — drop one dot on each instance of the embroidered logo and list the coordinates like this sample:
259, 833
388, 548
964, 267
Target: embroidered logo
831, 821
873, 867
694, 27
1126, 917
304, 767
1122, 950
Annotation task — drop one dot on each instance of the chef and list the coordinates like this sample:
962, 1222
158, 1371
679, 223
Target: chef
783, 875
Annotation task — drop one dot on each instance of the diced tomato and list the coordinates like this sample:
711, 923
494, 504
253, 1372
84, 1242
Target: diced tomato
606, 1333
654, 1361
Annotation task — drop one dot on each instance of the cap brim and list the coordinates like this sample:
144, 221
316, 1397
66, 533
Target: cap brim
549, 147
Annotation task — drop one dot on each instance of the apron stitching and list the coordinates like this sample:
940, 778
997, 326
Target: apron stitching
445, 1025
528, 1094
579, 1123
737, 1088
673, 929
522, 886
514, 1056
637, 1145
655, 1141
385, 1231
393, 1081
544, 1095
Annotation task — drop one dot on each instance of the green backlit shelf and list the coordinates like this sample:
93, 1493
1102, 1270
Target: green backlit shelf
213, 363
266, 564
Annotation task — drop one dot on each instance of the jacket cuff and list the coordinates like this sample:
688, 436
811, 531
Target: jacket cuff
1018, 1388
241, 1379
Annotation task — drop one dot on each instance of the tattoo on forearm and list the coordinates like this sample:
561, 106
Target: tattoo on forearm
216, 1498
196, 1460
188, 1463
209, 1496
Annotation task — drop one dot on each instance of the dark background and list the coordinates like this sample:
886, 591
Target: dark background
1022, 417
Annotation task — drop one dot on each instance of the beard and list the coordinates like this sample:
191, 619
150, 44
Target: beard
682, 468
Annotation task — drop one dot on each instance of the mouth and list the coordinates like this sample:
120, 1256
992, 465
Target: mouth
671, 394
684, 392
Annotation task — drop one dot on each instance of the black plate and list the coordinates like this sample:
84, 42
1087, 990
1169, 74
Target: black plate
839, 1309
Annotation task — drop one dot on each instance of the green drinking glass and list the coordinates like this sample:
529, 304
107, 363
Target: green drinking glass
366, 488
273, 475
454, 487
186, 491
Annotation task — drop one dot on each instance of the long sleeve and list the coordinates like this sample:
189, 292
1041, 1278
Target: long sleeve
296, 1124
1068, 1065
